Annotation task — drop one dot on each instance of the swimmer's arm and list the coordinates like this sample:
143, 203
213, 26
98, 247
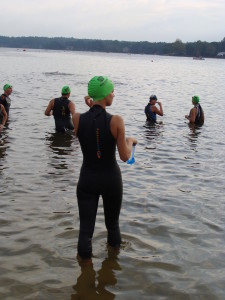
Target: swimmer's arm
76, 119
5, 116
48, 111
124, 144
158, 111
71, 107
192, 115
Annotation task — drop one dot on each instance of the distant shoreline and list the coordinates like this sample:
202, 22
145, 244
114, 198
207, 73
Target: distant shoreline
177, 48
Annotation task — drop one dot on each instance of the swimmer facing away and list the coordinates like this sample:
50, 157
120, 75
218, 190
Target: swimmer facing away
99, 134
151, 110
62, 108
196, 115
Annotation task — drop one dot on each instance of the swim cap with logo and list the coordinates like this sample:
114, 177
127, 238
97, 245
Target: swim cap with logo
65, 90
99, 87
195, 99
7, 86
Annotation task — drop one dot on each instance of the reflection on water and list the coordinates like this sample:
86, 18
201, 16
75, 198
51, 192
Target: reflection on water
152, 132
3, 148
92, 285
195, 131
60, 143
61, 146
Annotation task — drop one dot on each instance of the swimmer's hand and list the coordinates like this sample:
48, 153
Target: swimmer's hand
1, 127
159, 103
187, 117
88, 101
135, 142
131, 141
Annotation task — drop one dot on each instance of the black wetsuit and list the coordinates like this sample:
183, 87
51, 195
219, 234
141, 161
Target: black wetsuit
61, 114
199, 119
99, 175
4, 102
1, 115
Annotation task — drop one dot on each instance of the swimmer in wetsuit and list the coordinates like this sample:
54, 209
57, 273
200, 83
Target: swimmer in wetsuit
99, 133
196, 115
62, 108
4, 99
151, 110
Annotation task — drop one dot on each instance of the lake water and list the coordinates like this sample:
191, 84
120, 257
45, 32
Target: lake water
172, 219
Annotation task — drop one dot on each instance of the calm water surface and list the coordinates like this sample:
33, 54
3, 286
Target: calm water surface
172, 219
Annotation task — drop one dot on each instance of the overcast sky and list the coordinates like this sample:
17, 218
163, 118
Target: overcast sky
128, 20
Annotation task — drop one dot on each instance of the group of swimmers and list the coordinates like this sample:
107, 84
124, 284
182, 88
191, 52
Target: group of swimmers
99, 133
62, 109
196, 114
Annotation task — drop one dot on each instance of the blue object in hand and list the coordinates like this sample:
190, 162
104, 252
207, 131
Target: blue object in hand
131, 161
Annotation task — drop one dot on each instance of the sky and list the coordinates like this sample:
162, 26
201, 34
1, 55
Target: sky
122, 20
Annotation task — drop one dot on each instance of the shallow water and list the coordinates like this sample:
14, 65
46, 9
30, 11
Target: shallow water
172, 219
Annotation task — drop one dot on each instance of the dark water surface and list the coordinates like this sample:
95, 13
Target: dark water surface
172, 219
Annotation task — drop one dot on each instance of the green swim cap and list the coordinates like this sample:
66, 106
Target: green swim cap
7, 86
195, 99
99, 87
65, 90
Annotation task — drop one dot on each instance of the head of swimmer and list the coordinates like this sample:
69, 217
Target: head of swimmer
7, 89
153, 99
66, 91
101, 89
195, 100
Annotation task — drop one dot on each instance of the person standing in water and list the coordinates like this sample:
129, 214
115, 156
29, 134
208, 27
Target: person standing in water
151, 110
196, 115
62, 108
4, 99
3, 117
99, 133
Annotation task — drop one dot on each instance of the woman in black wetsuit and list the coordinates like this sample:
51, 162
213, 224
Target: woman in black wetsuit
99, 133
196, 115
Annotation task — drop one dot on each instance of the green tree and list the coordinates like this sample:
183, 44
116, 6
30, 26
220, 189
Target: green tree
178, 47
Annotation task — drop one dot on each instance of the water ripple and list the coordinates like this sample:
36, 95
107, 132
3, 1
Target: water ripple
172, 219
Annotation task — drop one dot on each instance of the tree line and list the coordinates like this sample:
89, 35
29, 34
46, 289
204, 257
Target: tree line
177, 48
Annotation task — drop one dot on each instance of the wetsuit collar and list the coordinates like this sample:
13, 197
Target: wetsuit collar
96, 106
